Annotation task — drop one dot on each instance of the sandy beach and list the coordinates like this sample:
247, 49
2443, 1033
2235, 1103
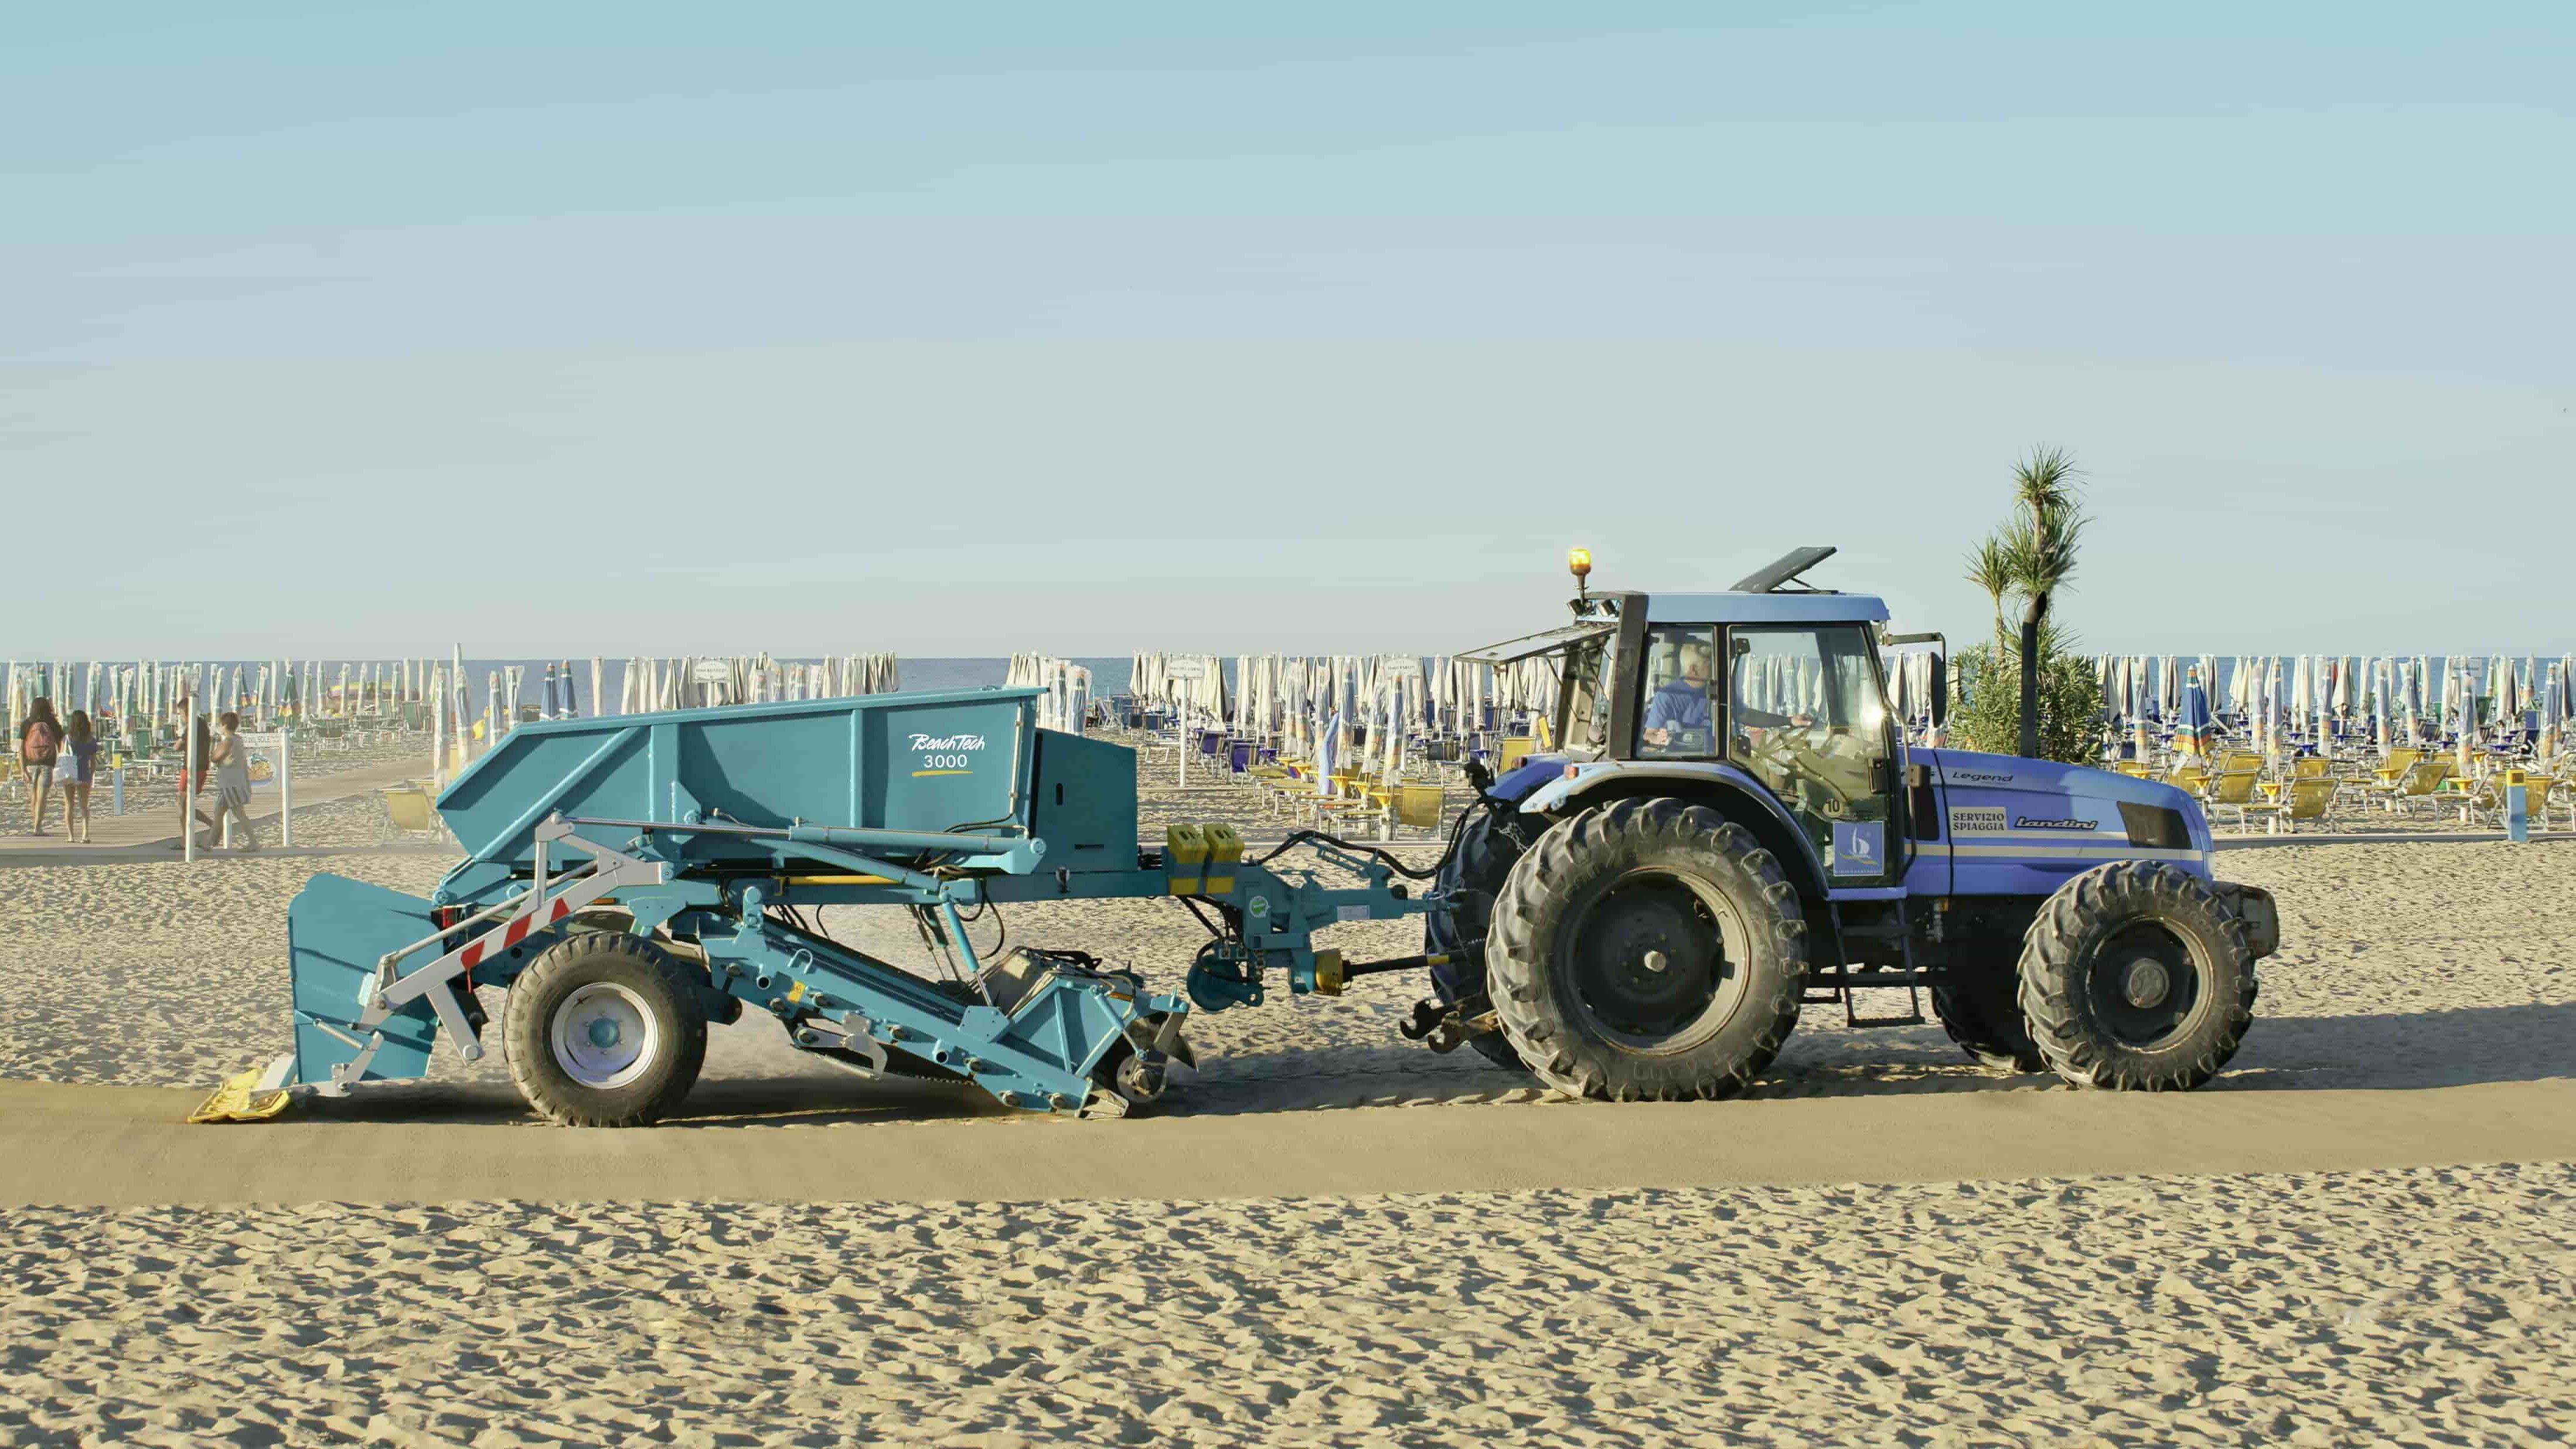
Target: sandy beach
2423, 1307
2402, 1305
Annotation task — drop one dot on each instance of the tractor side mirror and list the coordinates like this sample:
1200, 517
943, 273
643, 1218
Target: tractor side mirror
1479, 775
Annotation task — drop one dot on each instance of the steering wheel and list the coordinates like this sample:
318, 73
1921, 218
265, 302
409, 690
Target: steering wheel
1796, 761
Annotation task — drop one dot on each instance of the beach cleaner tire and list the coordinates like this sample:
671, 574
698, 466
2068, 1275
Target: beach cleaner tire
1487, 850
1647, 949
605, 1030
1981, 1010
2136, 976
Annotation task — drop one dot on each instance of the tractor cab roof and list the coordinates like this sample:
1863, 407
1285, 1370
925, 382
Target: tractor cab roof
1765, 596
1771, 594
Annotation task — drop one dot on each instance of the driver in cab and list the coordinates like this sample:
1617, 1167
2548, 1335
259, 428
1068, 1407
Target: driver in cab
1678, 717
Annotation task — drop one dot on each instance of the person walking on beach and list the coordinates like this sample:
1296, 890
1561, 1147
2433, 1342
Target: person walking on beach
39, 742
232, 779
74, 767
192, 779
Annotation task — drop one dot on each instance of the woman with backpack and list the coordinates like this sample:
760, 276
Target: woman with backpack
74, 766
39, 741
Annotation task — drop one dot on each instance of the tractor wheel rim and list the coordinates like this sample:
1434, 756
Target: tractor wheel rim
604, 1036
1653, 960
2145, 986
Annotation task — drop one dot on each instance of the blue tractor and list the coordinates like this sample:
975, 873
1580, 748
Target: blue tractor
1732, 828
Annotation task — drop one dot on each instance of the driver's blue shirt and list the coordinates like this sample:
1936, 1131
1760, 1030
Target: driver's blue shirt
1679, 705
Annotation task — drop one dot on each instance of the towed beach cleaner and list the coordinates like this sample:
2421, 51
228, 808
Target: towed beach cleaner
630, 880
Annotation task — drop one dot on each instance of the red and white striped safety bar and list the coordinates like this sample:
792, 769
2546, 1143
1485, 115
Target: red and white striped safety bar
502, 938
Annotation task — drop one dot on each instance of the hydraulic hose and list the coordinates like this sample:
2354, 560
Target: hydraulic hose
1457, 833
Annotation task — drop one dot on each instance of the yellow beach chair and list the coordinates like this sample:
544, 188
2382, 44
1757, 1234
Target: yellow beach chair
2311, 798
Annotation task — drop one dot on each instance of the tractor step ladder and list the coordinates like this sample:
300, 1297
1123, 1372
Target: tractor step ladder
1878, 921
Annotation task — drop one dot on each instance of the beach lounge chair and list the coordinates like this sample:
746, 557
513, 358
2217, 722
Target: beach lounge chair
2233, 789
408, 807
2422, 780
2302, 799
1349, 796
1418, 805
2486, 803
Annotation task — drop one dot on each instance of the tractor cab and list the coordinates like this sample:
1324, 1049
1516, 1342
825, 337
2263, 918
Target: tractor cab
1770, 686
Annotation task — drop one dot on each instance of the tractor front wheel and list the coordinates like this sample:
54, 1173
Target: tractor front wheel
604, 1030
2136, 976
1648, 949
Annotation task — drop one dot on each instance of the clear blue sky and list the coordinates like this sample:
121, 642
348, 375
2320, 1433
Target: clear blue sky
958, 330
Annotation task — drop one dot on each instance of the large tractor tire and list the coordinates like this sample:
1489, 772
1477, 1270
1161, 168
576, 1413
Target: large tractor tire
2137, 977
1490, 844
604, 1030
1648, 949
1981, 1010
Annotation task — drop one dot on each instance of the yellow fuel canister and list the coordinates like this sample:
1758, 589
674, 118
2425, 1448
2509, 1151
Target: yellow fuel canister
1185, 849
1224, 850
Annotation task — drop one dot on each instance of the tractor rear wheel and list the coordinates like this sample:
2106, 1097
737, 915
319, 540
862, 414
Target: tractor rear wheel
1648, 949
604, 1030
1980, 1007
1489, 845
2136, 976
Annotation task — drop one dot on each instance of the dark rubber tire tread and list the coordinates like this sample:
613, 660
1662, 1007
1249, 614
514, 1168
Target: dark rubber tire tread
666, 986
1549, 1032
1487, 849
1983, 1015
2083, 914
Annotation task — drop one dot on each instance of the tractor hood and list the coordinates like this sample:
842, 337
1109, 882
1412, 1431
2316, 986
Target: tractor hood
2006, 813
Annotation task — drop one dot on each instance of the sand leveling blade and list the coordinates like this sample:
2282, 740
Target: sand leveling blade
253, 1096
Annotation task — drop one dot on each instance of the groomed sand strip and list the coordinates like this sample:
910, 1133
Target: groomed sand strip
120, 1147
2418, 1307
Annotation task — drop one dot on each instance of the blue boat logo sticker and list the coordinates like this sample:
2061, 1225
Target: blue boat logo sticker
1860, 847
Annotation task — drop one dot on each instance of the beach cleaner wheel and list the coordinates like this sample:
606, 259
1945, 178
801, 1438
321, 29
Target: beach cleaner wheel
605, 1030
2137, 976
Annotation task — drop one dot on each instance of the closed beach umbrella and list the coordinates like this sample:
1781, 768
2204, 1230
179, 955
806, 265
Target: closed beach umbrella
2194, 732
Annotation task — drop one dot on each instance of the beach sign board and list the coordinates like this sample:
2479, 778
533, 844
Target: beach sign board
272, 768
1186, 669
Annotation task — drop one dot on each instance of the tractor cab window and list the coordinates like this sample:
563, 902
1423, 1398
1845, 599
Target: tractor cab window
1587, 704
1680, 716
1807, 718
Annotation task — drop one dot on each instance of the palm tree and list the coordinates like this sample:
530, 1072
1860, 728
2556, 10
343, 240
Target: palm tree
2039, 556
1990, 568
